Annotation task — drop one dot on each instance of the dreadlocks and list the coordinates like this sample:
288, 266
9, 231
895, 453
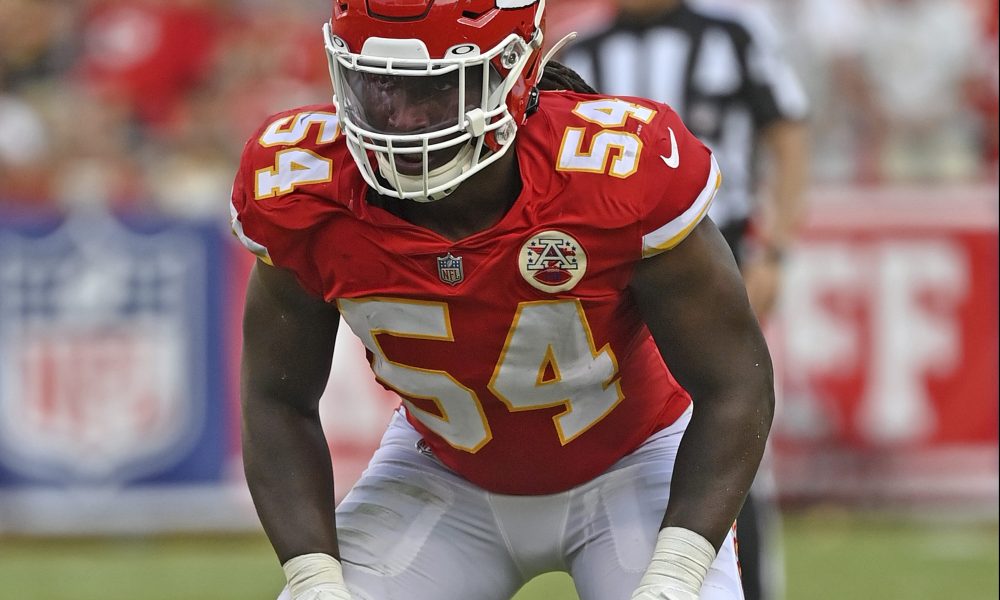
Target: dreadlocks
558, 76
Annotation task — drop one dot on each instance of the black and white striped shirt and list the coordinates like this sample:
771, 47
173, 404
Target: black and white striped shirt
720, 68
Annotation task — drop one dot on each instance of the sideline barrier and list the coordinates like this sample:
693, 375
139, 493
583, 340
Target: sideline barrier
119, 345
114, 399
887, 346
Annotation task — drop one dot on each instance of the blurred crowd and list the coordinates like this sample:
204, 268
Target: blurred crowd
146, 104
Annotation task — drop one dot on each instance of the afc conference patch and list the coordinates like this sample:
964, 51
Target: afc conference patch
552, 261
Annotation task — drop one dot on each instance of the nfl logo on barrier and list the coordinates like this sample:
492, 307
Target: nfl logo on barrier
450, 269
99, 350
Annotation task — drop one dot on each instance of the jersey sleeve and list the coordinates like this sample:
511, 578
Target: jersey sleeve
277, 227
680, 181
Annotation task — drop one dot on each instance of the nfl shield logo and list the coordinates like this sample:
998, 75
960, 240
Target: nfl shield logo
99, 351
450, 269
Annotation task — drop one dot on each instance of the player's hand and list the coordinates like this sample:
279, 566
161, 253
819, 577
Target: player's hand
315, 577
655, 593
762, 275
324, 592
681, 560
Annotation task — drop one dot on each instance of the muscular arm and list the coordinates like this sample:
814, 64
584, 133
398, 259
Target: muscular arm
694, 303
288, 340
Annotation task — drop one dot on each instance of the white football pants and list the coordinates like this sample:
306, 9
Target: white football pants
411, 529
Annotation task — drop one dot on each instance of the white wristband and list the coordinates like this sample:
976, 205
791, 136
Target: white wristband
680, 562
309, 571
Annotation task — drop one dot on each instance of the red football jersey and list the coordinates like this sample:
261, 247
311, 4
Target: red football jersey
518, 351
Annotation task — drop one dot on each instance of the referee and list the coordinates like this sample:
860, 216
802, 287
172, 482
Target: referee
719, 66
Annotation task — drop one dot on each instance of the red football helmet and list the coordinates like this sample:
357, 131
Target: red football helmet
432, 91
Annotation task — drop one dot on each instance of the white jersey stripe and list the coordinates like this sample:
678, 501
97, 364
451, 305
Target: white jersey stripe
250, 245
675, 231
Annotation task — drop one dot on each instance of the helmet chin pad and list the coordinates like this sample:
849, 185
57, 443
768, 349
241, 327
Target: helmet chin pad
413, 186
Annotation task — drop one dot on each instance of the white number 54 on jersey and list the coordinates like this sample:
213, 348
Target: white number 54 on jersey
608, 113
546, 340
295, 166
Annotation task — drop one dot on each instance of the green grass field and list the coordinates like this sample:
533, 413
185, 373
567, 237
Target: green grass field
828, 557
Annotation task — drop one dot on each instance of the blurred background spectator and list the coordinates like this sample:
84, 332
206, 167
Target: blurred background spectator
900, 95
145, 104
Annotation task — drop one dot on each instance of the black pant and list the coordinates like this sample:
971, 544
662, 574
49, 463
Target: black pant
735, 232
750, 550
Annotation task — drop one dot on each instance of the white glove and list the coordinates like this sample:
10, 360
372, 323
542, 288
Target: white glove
315, 577
681, 559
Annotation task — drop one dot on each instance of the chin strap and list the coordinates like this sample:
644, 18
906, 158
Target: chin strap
532, 106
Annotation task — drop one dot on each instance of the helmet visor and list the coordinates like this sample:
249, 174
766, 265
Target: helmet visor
402, 103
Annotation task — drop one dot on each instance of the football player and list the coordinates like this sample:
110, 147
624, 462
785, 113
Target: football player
584, 385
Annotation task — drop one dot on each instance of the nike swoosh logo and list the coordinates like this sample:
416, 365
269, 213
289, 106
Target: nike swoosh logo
674, 160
